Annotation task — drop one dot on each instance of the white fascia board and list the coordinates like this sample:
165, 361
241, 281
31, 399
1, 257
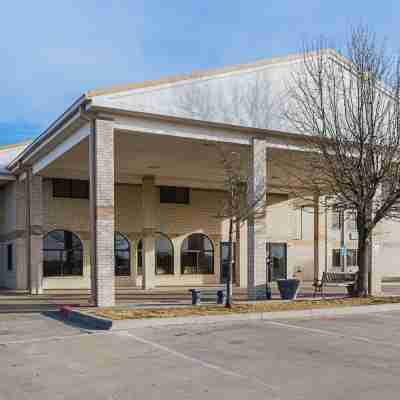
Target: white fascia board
62, 148
49, 134
284, 143
47, 141
182, 130
169, 125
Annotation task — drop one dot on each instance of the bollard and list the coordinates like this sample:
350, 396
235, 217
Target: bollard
220, 297
195, 297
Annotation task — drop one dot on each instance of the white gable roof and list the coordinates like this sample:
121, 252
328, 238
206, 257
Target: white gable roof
250, 95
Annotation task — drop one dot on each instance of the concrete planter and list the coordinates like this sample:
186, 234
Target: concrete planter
288, 288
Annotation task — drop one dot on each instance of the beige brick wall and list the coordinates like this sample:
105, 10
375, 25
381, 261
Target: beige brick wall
284, 224
12, 225
175, 220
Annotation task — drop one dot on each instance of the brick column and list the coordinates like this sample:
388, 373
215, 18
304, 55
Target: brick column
34, 231
257, 229
101, 173
149, 211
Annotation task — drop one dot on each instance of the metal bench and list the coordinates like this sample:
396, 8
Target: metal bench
207, 295
343, 279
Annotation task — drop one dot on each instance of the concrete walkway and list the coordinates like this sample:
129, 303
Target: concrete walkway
21, 302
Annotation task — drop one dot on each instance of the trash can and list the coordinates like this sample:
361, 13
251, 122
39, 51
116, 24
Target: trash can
288, 288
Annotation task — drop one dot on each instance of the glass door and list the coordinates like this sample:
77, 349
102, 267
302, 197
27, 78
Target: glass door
224, 262
278, 256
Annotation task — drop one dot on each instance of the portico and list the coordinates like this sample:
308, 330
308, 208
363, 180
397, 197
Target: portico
125, 187
126, 158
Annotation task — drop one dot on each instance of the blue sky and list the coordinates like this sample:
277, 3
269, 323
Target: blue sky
52, 51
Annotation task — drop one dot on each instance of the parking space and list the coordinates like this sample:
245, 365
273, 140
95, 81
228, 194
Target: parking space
334, 358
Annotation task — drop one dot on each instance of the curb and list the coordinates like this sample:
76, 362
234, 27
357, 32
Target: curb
85, 320
94, 322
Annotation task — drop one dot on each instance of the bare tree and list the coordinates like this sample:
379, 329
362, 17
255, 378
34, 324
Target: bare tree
347, 104
244, 201
246, 102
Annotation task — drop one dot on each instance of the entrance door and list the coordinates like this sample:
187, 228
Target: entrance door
224, 262
278, 255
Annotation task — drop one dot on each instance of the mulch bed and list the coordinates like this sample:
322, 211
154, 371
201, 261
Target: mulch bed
120, 313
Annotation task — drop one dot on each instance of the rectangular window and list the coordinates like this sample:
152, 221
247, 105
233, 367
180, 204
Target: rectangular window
10, 261
352, 221
352, 257
336, 258
71, 188
337, 219
172, 194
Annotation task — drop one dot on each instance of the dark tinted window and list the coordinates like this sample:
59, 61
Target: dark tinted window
336, 258
71, 188
164, 255
10, 260
62, 254
172, 194
61, 188
352, 257
140, 257
197, 255
79, 189
122, 255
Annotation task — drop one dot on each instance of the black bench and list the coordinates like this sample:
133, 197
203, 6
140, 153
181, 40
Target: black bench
343, 279
210, 295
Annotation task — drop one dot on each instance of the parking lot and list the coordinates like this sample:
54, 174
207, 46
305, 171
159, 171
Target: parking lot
336, 358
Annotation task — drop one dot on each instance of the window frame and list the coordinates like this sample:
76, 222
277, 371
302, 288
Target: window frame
197, 269
336, 256
71, 192
63, 254
139, 256
128, 250
352, 254
337, 219
171, 267
166, 191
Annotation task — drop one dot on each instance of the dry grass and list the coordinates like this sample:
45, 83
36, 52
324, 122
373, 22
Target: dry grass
119, 313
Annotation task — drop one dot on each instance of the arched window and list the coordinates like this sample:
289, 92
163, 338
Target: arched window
122, 250
164, 250
62, 254
197, 255
164, 255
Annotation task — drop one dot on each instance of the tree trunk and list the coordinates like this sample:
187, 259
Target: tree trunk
363, 265
228, 303
237, 253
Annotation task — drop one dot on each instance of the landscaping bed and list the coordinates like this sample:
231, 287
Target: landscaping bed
126, 312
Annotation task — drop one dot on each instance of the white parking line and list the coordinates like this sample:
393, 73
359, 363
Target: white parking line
393, 316
198, 361
324, 332
51, 338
